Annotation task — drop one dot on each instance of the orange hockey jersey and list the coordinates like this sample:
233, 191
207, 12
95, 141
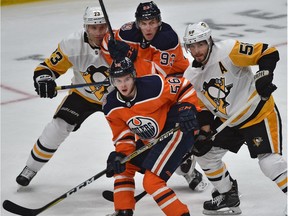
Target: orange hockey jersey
145, 115
163, 55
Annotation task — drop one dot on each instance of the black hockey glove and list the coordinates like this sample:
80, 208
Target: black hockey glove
264, 85
187, 117
45, 86
114, 165
120, 49
203, 143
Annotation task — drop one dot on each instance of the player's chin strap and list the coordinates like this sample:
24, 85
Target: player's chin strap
20, 210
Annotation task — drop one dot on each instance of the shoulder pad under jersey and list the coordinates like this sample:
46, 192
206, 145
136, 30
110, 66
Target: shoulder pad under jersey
166, 38
129, 32
148, 87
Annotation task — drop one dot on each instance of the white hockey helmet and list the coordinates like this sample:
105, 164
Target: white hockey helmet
195, 33
93, 15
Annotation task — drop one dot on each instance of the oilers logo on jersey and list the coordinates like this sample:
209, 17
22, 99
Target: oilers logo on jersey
216, 92
145, 128
93, 74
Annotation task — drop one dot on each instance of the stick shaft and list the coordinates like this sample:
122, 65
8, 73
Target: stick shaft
20, 210
150, 145
104, 83
235, 115
107, 19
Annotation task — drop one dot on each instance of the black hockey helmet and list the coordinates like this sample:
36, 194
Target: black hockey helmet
121, 68
147, 11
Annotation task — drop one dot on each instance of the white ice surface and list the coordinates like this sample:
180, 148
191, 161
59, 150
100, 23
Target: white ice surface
35, 30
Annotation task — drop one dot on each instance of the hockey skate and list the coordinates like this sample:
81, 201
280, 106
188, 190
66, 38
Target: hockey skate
223, 204
25, 176
128, 212
216, 193
193, 177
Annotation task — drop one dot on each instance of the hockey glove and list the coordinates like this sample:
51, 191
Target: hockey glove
264, 85
114, 165
45, 86
203, 143
187, 117
120, 49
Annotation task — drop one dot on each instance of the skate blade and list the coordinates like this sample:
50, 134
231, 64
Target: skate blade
228, 211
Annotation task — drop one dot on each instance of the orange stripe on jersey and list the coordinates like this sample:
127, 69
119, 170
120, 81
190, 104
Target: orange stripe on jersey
169, 203
152, 57
170, 147
123, 183
125, 133
164, 197
124, 187
156, 96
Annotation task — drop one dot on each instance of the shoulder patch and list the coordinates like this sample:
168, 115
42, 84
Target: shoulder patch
127, 26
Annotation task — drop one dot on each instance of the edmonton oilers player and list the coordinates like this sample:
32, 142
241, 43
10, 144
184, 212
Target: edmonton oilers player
146, 107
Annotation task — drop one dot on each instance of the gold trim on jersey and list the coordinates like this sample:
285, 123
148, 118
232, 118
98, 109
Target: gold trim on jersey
244, 54
58, 61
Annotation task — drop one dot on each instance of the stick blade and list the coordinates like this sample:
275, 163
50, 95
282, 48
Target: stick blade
16, 209
108, 195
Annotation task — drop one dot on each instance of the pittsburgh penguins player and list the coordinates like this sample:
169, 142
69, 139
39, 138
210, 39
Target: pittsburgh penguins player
222, 76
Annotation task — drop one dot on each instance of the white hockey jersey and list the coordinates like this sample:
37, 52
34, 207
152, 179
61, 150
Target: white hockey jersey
226, 82
87, 63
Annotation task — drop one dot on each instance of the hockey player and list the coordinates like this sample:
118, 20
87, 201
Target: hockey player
80, 51
155, 48
147, 107
224, 81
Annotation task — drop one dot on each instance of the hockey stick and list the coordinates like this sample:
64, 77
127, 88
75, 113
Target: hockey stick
104, 83
108, 195
107, 19
235, 115
20, 210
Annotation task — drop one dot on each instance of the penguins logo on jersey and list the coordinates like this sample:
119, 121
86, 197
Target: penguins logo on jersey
257, 141
216, 92
145, 128
93, 74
